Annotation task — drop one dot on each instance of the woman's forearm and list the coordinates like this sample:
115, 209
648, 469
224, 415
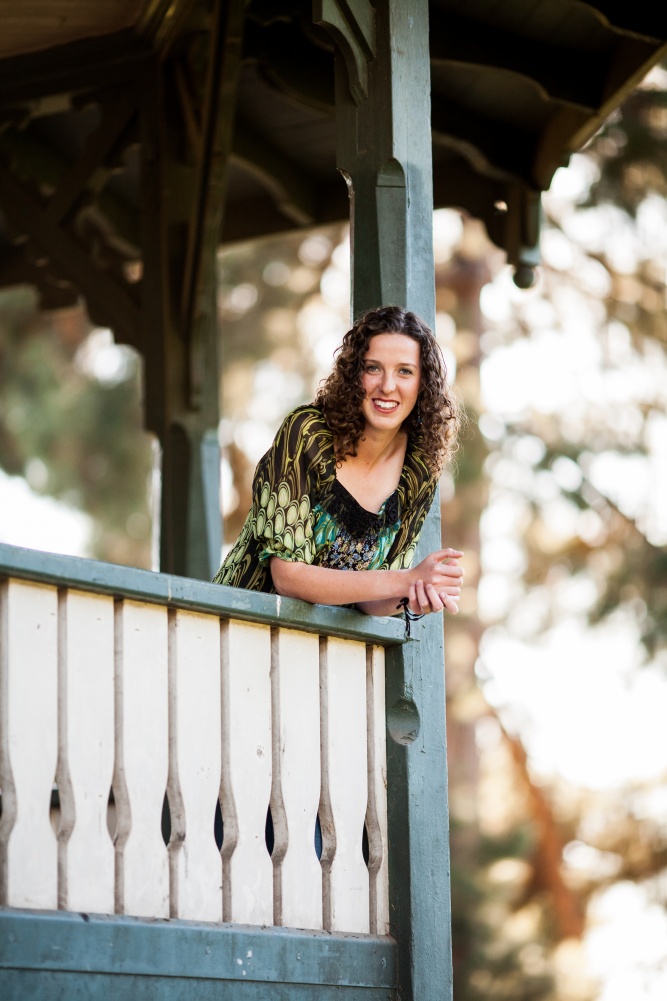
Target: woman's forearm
324, 586
388, 606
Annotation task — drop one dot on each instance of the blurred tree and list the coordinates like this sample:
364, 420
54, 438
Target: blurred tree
606, 253
573, 476
70, 422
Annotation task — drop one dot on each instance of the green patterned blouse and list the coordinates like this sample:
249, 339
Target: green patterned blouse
302, 513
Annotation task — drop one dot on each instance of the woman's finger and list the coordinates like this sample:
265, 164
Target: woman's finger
443, 554
443, 573
451, 603
425, 598
430, 601
422, 600
420, 603
436, 600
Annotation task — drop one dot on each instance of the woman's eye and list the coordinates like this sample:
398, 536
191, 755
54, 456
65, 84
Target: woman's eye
371, 368
407, 371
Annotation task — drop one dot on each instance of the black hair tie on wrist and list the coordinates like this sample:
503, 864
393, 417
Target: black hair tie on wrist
410, 616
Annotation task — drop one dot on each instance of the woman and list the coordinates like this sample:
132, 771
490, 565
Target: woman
348, 481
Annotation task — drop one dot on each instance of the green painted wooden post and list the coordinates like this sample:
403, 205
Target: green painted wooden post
179, 289
384, 151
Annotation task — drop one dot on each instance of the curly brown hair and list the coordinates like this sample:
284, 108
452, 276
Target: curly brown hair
433, 421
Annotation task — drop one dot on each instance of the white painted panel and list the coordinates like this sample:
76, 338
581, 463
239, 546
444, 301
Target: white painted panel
296, 780
345, 784
376, 816
246, 787
142, 759
194, 775
86, 858
29, 735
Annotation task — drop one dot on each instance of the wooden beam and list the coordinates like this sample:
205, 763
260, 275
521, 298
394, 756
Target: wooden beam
258, 215
499, 149
162, 22
301, 70
199, 278
72, 184
459, 39
180, 322
114, 59
642, 18
292, 190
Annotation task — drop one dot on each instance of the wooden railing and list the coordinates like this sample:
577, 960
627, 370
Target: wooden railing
124, 685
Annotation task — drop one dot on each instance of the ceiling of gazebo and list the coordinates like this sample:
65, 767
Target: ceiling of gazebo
517, 86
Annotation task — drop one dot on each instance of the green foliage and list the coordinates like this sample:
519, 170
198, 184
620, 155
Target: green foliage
631, 153
76, 437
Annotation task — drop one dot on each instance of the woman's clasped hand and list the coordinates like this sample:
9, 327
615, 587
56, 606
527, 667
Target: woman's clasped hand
436, 583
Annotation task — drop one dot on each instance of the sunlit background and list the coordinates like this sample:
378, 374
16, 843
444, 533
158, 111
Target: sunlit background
557, 682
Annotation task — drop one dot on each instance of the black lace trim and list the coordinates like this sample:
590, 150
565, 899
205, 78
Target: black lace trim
356, 519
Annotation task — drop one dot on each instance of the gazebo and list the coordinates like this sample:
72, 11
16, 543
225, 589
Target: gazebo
136, 137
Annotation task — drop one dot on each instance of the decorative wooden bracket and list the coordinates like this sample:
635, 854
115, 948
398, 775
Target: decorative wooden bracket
212, 142
59, 239
352, 25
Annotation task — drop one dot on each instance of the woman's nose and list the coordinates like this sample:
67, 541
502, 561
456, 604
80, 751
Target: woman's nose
388, 382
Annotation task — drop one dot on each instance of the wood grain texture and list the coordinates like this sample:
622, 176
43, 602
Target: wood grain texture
344, 785
376, 813
28, 744
86, 754
296, 778
195, 866
142, 759
246, 784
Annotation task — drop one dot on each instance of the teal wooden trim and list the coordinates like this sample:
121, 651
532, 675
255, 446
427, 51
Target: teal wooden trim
39, 985
96, 953
196, 595
417, 814
384, 151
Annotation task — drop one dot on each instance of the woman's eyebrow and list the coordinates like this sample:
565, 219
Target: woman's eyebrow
400, 364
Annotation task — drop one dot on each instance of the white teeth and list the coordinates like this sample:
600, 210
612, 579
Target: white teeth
385, 406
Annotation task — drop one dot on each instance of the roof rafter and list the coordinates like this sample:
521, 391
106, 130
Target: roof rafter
292, 64
643, 18
493, 148
115, 59
462, 40
292, 190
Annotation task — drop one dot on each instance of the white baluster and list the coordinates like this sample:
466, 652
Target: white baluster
85, 770
194, 773
28, 744
296, 778
344, 784
376, 816
246, 787
142, 759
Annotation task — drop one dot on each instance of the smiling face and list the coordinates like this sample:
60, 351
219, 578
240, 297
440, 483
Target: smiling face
391, 380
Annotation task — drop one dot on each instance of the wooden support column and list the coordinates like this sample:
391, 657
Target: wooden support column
186, 141
384, 151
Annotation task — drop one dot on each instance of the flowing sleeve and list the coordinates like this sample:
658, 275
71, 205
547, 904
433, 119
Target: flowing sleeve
286, 479
416, 494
